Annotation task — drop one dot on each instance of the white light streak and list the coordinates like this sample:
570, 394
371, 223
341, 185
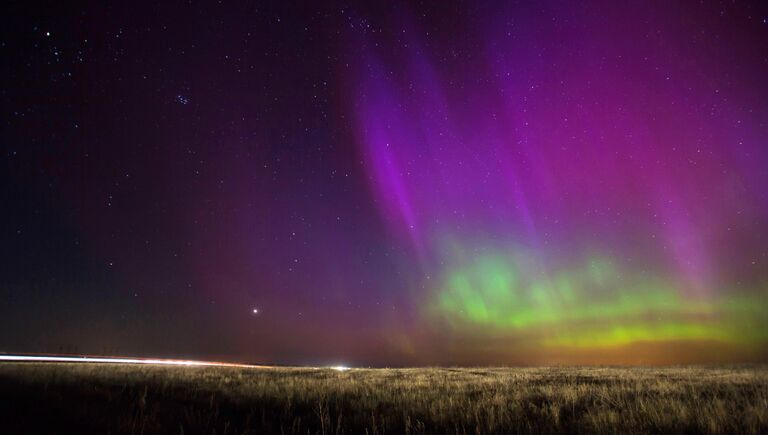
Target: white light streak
122, 360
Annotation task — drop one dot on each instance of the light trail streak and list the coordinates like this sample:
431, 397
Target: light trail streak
123, 360
153, 361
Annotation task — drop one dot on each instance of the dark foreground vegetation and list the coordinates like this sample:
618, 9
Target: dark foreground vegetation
104, 398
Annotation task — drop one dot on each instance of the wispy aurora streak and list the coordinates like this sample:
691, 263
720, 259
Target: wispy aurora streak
583, 183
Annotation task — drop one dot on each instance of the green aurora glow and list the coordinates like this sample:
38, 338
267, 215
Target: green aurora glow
598, 304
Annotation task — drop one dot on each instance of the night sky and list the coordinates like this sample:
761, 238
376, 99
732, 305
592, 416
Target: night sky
404, 183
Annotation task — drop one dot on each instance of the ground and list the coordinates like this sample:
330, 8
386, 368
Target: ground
142, 399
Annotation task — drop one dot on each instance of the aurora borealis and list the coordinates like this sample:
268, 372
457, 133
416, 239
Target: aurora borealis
462, 183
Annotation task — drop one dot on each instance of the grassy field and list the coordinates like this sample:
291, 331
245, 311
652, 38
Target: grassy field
105, 398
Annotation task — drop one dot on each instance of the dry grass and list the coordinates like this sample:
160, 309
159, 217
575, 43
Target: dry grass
103, 398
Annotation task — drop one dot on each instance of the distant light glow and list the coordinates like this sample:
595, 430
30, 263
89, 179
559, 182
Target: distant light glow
340, 368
